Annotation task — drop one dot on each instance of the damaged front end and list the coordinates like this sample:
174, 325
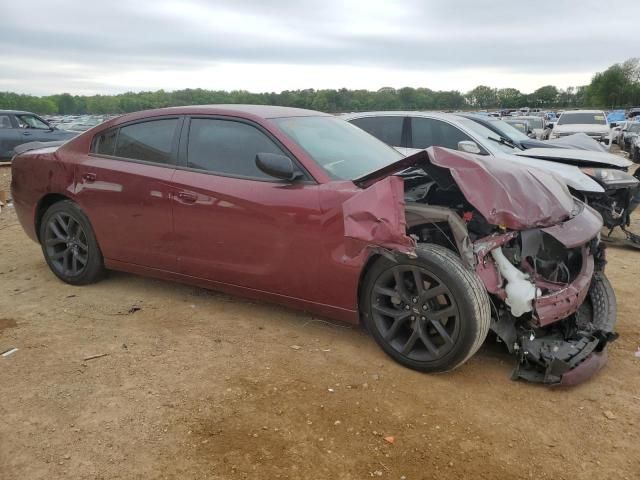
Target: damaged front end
536, 249
553, 307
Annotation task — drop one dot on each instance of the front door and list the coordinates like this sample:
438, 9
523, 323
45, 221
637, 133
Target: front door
235, 224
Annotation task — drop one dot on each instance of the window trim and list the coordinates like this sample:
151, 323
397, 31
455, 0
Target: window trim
184, 143
174, 142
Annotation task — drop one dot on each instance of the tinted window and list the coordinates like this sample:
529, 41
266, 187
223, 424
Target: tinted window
422, 132
427, 132
104, 143
5, 121
449, 136
387, 129
228, 147
149, 141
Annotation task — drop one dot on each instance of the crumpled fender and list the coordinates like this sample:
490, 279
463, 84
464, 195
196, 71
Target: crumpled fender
376, 216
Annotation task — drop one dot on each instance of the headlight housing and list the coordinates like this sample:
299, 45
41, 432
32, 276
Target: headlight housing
611, 178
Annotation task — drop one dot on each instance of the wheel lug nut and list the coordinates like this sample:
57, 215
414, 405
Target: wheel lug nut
407, 307
423, 318
414, 300
412, 317
424, 307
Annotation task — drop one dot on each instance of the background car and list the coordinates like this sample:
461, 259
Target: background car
602, 179
17, 127
538, 127
630, 131
578, 141
590, 122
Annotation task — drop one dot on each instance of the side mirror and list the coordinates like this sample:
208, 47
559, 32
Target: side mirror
278, 166
469, 147
550, 125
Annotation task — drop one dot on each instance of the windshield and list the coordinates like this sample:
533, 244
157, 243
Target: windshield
343, 150
582, 119
509, 131
482, 132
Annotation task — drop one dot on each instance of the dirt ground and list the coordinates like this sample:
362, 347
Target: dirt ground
195, 384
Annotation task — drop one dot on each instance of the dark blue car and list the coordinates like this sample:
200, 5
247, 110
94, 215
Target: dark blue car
18, 127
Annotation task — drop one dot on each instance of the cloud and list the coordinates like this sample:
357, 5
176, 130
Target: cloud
100, 47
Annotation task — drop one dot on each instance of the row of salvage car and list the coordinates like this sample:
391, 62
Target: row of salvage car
430, 229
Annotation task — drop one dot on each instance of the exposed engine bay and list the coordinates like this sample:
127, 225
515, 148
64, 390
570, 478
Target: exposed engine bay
552, 305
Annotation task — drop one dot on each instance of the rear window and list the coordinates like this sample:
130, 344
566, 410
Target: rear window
385, 128
105, 143
5, 121
582, 119
148, 141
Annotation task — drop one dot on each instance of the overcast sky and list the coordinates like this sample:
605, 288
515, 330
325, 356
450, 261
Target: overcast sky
89, 46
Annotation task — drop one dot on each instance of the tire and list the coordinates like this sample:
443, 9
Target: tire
69, 244
600, 310
447, 321
635, 157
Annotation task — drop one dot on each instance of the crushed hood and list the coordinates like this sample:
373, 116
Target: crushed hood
515, 196
576, 157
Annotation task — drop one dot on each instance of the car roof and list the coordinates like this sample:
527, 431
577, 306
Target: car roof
14, 112
247, 111
526, 117
582, 111
399, 113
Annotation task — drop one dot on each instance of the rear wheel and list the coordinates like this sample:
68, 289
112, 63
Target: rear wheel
430, 314
69, 244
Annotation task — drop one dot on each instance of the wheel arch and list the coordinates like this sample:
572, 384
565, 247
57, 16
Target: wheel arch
43, 205
370, 262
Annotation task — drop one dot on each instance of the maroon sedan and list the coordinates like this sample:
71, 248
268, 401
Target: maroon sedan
429, 252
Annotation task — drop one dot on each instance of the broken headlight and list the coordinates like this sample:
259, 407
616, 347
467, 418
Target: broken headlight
610, 178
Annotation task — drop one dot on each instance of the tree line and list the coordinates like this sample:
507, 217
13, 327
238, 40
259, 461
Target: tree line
618, 86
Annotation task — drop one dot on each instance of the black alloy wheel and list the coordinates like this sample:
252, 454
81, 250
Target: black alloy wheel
69, 244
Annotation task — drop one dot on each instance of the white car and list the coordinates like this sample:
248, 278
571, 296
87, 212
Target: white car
590, 122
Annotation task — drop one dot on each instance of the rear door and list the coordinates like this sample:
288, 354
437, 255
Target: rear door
124, 186
235, 224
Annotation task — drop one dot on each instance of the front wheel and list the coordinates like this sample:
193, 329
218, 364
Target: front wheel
69, 244
429, 314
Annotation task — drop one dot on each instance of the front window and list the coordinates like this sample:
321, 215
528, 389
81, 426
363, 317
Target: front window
343, 150
634, 128
31, 121
582, 119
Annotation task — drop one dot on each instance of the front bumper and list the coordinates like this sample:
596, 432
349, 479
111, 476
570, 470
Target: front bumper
553, 343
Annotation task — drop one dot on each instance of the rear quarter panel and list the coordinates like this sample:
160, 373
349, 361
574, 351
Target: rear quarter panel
35, 174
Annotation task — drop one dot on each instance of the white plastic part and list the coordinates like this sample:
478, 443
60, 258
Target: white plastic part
520, 291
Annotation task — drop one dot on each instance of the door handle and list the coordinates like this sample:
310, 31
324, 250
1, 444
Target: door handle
187, 197
26, 134
89, 177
